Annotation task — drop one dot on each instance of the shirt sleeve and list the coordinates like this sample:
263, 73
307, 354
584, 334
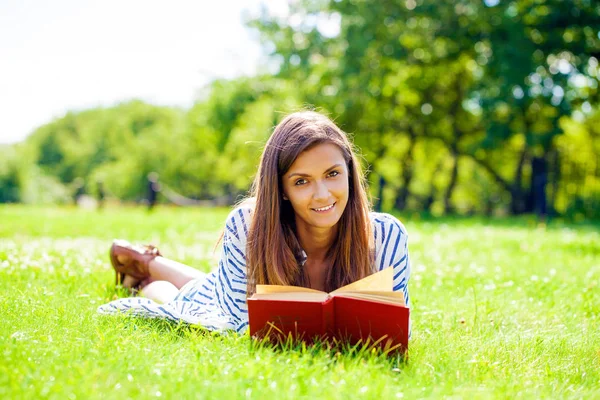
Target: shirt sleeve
231, 280
392, 251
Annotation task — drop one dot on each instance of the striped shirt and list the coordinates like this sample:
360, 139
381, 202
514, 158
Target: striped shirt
217, 301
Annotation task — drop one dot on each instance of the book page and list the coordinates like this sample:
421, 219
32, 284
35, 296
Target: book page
315, 296
396, 298
262, 289
380, 281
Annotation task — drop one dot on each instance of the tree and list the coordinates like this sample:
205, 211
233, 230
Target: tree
489, 82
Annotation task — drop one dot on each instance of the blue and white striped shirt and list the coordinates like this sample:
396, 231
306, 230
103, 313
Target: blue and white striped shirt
217, 301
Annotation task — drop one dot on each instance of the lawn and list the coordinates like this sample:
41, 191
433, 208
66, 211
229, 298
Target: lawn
501, 309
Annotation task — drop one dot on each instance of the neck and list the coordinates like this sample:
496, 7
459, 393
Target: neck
316, 242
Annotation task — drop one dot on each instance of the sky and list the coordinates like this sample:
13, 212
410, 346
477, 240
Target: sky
68, 55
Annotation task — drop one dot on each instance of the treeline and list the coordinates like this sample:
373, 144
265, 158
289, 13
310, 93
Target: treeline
457, 106
205, 152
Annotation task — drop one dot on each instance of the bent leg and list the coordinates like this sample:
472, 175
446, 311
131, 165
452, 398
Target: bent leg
163, 269
160, 291
143, 264
166, 278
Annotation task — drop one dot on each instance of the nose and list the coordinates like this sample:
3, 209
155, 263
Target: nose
321, 191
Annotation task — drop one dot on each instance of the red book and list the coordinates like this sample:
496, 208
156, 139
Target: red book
364, 312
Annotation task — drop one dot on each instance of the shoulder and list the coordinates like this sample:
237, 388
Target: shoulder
385, 225
238, 221
391, 240
242, 212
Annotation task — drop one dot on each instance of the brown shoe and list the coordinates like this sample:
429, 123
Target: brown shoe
137, 265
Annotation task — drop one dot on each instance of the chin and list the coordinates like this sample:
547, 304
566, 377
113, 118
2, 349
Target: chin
327, 222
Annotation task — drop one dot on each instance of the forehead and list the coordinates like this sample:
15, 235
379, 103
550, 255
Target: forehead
318, 159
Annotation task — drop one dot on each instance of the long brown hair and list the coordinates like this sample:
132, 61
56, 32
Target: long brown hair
273, 251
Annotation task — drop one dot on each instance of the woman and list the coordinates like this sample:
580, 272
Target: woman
308, 225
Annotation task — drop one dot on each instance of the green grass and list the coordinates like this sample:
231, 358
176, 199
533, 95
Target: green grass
501, 309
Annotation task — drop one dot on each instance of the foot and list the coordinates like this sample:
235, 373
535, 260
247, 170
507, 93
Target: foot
132, 261
132, 284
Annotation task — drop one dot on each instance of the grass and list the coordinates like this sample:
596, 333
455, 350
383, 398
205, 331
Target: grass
501, 309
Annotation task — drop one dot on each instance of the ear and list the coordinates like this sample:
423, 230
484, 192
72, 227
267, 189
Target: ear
285, 197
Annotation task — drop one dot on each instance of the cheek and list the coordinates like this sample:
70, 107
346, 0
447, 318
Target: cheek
340, 187
299, 197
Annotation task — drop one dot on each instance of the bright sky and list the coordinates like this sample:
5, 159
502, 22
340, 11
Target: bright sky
74, 54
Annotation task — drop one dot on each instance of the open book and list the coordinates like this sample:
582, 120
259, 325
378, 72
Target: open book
366, 311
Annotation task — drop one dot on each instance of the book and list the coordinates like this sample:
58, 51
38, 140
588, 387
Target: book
365, 312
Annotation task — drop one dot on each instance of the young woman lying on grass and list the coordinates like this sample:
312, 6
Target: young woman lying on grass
309, 224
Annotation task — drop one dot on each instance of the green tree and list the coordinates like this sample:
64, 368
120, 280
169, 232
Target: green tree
463, 73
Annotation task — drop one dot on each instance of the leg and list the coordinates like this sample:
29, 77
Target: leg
163, 269
144, 264
178, 274
160, 291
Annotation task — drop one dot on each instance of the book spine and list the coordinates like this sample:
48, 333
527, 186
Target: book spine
328, 317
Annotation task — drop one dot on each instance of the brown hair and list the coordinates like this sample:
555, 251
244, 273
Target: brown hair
273, 251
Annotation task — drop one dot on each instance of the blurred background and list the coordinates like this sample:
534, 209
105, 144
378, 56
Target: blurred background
469, 107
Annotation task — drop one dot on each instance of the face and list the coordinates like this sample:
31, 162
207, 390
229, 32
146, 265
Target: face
317, 186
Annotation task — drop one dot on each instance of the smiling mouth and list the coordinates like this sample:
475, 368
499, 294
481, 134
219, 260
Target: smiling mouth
322, 209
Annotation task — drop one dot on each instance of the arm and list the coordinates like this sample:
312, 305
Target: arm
401, 266
392, 250
231, 281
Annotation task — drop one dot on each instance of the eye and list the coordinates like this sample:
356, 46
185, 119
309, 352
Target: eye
333, 173
300, 182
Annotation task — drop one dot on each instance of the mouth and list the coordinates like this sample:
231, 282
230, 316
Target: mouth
324, 209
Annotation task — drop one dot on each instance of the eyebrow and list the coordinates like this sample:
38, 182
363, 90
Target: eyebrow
300, 174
